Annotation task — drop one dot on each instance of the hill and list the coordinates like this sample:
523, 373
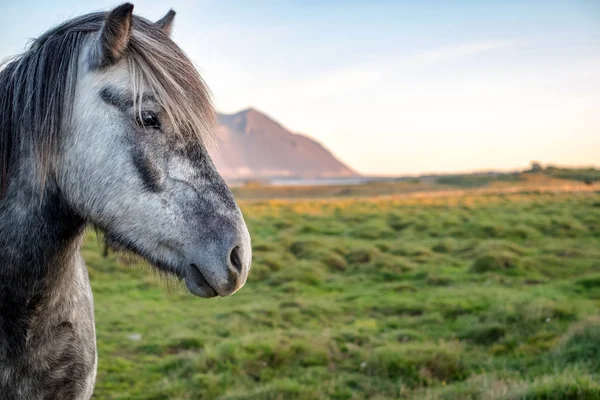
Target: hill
252, 145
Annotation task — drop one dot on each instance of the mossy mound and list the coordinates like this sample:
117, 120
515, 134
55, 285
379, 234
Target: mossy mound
497, 261
581, 344
484, 334
418, 364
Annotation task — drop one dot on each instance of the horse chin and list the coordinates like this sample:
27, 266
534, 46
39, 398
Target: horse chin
190, 274
119, 244
197, 283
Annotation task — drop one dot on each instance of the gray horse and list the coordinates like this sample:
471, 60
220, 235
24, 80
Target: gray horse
103, 121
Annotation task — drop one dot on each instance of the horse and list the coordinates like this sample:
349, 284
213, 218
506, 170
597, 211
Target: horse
104, 123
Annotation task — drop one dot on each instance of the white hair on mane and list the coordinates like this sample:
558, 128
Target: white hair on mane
156, 61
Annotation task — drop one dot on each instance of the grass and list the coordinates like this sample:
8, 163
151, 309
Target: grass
478, 296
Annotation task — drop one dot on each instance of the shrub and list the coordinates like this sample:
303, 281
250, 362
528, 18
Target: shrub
399, 222
334, 261
498, 246
306, 248
389, 267
590, 282
523, 231
567, 386
581, 344
438, 280
542, 309
362, 254
496, 262
484, 334
447, 245
418, 364
279, 389
373, 229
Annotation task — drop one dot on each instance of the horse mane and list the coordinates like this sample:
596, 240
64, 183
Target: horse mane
37, 88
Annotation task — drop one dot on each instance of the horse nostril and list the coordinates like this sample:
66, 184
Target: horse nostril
235, 259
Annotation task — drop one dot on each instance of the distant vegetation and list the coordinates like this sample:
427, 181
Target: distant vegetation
478, 180
265, 191
537, 177
588, 175
478, 296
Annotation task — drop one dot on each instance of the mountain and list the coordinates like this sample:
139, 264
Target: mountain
252, 145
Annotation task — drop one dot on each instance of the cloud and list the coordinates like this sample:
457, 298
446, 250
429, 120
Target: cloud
452, 52
364, 75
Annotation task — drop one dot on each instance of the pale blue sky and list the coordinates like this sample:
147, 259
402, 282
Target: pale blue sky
392, 87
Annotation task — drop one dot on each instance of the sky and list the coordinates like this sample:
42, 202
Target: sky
391, 87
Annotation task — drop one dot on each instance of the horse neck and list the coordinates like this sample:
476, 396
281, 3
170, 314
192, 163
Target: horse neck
39, 242
37, 228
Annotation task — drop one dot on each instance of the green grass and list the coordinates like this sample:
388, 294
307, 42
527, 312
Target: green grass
477, 297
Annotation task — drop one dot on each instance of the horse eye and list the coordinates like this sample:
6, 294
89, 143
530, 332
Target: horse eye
148, 119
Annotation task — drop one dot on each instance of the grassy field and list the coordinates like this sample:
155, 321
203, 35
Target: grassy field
472, 296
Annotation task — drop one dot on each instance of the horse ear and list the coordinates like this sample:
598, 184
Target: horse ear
166, 22
114, 35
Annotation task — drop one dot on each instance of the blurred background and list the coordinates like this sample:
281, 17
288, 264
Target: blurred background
421, 183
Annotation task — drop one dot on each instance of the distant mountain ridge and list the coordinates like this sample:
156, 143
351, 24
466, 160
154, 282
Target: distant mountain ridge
252, 145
